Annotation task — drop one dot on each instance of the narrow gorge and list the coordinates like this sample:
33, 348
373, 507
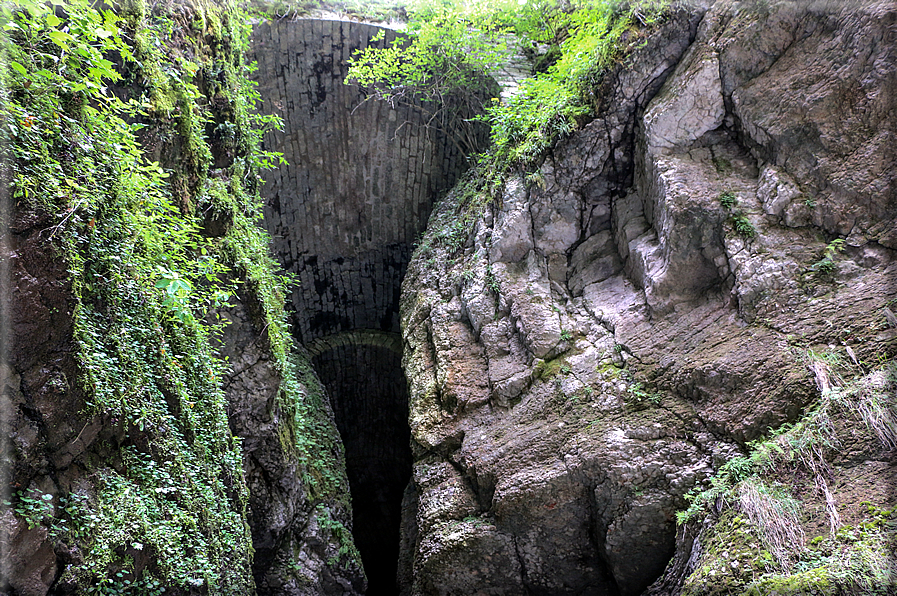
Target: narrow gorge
343, 218
340, 354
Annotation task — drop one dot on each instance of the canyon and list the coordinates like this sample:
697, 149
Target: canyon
518, 387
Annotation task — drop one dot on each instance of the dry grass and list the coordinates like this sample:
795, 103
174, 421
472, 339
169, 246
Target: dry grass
776, 514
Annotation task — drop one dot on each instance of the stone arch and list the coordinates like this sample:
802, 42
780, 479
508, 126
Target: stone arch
362, 371
358, 337
361, 181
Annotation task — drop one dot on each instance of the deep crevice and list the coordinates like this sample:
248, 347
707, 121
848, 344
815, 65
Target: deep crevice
362, 180
369, 396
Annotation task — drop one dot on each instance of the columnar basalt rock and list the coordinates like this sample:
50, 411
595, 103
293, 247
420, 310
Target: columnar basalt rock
608, 337
361, 180
358, 190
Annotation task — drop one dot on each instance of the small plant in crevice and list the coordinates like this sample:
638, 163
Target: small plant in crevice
743, 226
827, 265
721, 164
491, 280
34, 506
740, 222
566, 335
638, 396
536, 178
547, 370
728, 199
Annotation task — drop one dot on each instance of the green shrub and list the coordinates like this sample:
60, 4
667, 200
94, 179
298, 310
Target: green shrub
451, 47
728, 199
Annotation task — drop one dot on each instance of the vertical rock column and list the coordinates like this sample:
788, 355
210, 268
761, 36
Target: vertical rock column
361, 180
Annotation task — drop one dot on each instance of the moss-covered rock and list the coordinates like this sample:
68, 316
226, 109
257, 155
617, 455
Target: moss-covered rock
133, 169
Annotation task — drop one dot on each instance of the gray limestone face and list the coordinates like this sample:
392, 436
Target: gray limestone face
608, 338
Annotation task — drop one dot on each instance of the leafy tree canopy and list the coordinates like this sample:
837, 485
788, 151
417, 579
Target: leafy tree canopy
449, 46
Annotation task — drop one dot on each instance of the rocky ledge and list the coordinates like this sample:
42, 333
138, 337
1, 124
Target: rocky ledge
624, 320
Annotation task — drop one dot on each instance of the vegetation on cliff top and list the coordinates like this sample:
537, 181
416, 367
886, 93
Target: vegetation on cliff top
449, 46
92, 93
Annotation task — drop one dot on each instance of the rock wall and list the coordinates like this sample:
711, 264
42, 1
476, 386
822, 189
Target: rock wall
122, 432
42, 438
362, 178
52, 445
609, 336
295, 553
361, 181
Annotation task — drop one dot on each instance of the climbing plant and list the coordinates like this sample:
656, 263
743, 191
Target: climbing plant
91, 93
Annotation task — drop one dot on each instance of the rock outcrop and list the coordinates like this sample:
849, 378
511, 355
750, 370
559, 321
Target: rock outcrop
134, 458
625, 320
293, 507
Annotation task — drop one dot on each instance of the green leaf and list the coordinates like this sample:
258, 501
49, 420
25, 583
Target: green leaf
18, 68
53, 20
60, 38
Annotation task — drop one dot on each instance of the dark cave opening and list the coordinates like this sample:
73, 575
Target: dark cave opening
369, 396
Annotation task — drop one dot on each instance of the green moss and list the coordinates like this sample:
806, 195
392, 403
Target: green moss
149, 252
732, 556
766, 527
545, 370
813, 581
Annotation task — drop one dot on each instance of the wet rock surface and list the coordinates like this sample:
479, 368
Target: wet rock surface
609, 336
294, 555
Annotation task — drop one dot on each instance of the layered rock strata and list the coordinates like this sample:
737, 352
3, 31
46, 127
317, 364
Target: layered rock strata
624, 320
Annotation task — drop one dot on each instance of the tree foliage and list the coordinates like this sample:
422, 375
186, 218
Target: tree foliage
88, 91
450, 48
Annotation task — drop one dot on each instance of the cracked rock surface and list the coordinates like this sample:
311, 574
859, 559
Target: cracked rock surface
609, 336
294, 555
